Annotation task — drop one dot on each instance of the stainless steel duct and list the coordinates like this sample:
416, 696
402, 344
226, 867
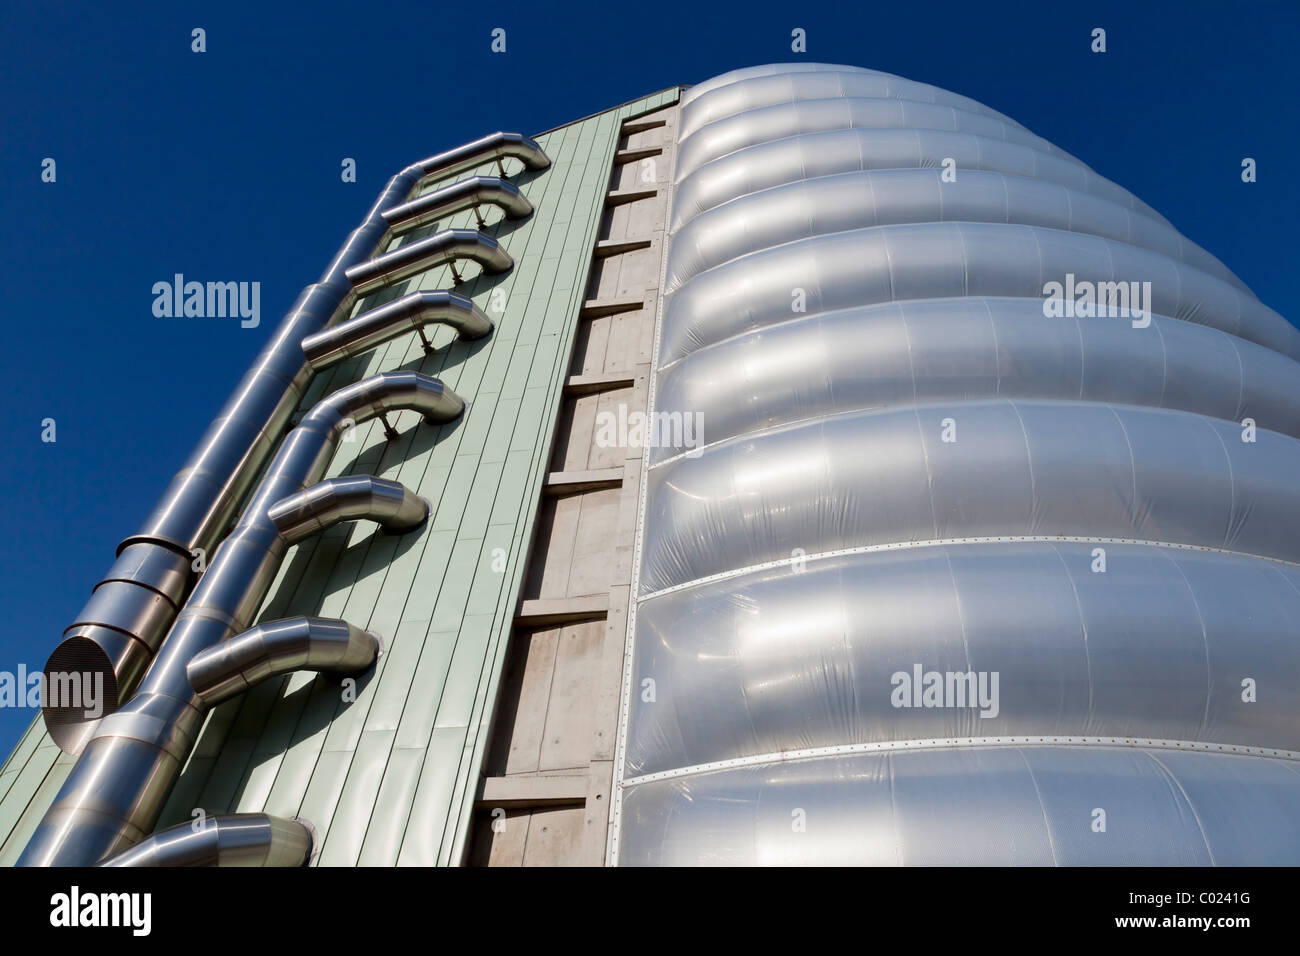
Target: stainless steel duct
467, 194
142, 747
390, 504
409, 313
115, 635
495, 146
235, 839
119, 630
279, 647
439, 249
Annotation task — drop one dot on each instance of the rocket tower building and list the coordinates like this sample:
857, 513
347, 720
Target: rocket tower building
809, 466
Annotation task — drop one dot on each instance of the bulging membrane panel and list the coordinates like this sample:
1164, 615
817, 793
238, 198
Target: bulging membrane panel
978, 806
950, 563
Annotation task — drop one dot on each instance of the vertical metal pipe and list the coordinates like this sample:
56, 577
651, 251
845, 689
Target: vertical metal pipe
118, 632
115, 792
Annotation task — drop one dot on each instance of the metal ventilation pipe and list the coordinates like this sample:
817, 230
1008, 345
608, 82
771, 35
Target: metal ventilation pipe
234, 839
142, 747
279, 647
439, 249
115, 636
495, 146
390, 504
409, 313
119, 630
467, 194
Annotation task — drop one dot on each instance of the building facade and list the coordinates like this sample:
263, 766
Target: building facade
809, 466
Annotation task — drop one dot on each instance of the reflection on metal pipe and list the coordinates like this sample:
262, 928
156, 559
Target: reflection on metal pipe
466, 194
439, 249
390, 504
235, 839
142, 747
119, 630
495, 146
409, 313
279, 647
116, 635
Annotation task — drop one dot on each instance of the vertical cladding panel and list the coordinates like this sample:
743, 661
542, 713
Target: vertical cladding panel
29, 794
556, 311
468, 662
14, 769
445, 602
26, 824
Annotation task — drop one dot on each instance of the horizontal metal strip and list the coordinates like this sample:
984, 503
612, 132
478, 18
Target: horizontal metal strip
944, 743
939, 542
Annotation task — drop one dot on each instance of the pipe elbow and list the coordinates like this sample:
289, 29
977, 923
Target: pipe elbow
389, 504
384, 392
441, 248
499, 145
459, 196
235, 839
413, 311
274, 648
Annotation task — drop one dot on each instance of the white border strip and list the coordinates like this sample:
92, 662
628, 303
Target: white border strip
940, 542
940, 743
616, 804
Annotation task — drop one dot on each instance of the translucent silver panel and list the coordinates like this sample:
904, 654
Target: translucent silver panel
948, 575
794, 658
857, 200
1031, 806
692, 93
808, 156
933, 350
932, 260
1010, 468
814, 116
725, 101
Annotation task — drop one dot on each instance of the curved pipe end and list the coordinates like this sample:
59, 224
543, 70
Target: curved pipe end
498, 145
235, 839
441, 248
399, 317
459, 196
274, 648
357, 497
473, 334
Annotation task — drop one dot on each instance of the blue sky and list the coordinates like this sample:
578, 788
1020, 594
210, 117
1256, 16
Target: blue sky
225, 166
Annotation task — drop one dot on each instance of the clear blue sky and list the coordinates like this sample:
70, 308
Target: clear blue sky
225, 166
